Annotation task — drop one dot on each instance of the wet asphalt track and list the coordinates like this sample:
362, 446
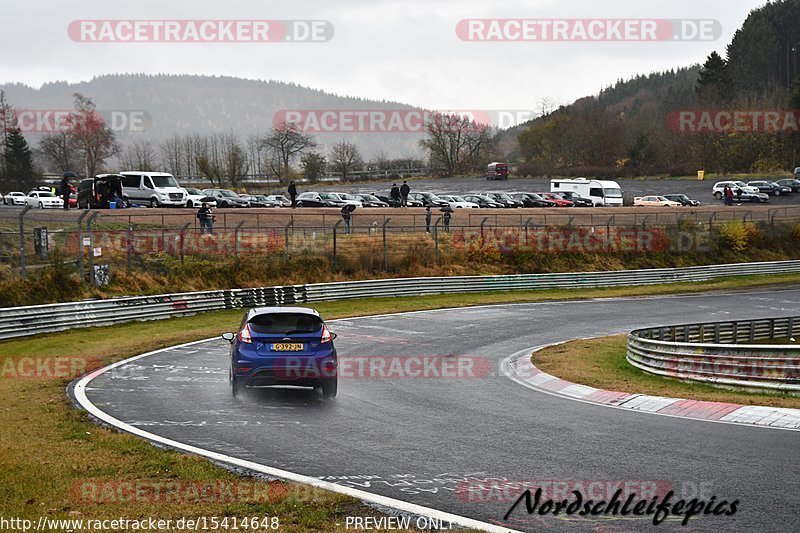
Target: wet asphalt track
418, 440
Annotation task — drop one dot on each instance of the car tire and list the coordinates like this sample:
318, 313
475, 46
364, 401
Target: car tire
41, 205
236, 384
189, 204
777, 193
718, 195
330, 388
299, 204
154, 203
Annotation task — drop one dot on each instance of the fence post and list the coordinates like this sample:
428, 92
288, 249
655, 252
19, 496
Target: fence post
286, 236
608, 233
91, 246
22, 265
385, 254
436, 236
482, 223
130, 246
335, 231
80, 241
527, 222
183, 231
236, 238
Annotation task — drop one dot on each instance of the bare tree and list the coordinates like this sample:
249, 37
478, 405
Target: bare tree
172, 156
454, 141
345, 158
94, 139
59, 150
139, 155
287, 141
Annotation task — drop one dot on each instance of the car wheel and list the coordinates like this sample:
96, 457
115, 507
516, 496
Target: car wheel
154, 203
41, 206
236, 384
754, 200
189, 203
777, 193
330, 388
299, 204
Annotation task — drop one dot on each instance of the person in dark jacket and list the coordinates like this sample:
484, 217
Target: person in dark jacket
428, 219
65, 189
292, 192
346, 218
206, 219
446, 220
404, 190
395, 195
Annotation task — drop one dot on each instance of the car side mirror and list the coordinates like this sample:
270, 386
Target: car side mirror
228, 337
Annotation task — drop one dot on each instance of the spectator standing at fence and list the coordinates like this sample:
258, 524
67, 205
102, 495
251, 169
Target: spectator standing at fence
404, 190
446, 219
395, 195
739, 195
728, 192
206, 219
292, 192
428, 219
65, 189
346, 218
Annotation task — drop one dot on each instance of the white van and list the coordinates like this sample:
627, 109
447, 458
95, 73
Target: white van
156, 189
600, 192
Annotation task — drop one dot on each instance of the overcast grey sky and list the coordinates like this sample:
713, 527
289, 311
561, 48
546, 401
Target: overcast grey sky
401, 50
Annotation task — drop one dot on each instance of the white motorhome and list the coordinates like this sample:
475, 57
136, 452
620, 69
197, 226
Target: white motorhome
155, 189
600, 192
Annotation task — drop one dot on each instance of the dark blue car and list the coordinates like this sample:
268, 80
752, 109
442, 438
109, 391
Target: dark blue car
283, 346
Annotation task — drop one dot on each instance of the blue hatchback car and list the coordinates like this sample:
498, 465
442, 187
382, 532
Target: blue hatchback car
283, 346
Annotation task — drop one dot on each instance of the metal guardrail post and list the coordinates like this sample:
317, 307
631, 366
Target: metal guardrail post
286, 236
335, 231
236, 238
385, 252
22, 271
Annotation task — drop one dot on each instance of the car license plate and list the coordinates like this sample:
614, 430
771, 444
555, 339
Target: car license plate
288, 347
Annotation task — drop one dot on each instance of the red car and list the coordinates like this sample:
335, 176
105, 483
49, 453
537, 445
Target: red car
560, 202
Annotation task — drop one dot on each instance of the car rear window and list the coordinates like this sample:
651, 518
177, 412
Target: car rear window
285, 323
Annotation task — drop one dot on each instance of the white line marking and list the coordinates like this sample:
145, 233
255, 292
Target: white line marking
83, 400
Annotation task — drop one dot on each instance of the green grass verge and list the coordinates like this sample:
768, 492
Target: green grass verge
47, 448
601, 363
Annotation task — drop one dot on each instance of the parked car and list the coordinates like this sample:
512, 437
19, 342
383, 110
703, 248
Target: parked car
556, 199
457, 202
654, 201
575, 198
482, 201
266, 201
98, 192
156, 189
226, 198
428, 199
370, 200
504, 198
797, 172
44, 200
531, 199
348, 199
385, 196
281, 199
254, 201
769, 187
748, 194
196, 198
14, 198
283, 346
792, 183
319, 199
681, 199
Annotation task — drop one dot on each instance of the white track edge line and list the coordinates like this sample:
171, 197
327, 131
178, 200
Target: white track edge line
505, 367
80, 396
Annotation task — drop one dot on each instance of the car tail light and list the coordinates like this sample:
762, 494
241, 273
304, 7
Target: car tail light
326, 335
244, 335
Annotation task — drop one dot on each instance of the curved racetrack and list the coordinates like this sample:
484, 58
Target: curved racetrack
417, 440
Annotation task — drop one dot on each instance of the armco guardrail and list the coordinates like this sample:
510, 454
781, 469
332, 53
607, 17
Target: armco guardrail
710, 353
22, 321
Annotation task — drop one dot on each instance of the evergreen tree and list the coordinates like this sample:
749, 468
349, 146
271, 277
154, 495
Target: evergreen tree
18, 161
714, 83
